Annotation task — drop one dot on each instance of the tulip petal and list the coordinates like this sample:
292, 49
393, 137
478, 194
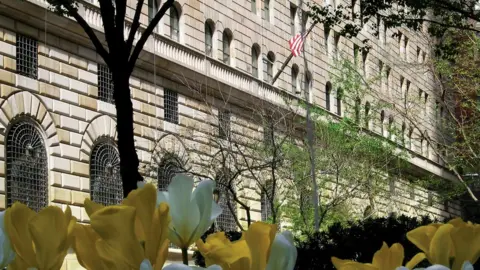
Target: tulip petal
396, 256
465, 242
203, 197
422, 236
260, 237
441, 246
17, 219
416, 260
467, 266
177, 266
118, 244
156, 245
84, 247
437, 267
219, 250
351, 265
49, 232
185, 213
283, 253
91, 207
7, 254
381, 257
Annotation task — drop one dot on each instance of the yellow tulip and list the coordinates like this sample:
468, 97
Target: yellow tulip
41, 241
251, 252
442, 242
387, 258
128, 236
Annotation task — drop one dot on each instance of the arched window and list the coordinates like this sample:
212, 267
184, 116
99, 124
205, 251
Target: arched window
255, 54
226, 220
266, 10
153, 7
409, 140
268, 67
209, 38
174, 23
226, 40
27, 169
358, 102
295, 79
307, 85
390, 127
328, 91
105, 181
339, 101
382, 122
367, 114
167, 169
402, 139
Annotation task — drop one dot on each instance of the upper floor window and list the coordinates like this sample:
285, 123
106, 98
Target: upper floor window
105, 181
367, 114
326, 34
266, 202
268, 132
336, 43
255, 55
268, 67
295, 79
293, 14
105, 84
170, 106
266, 10
226, 40
307, 85
339, 101
328, 90
254, 6
27, 169
27, 56
174, 23
153, 6
209, 37
365, 63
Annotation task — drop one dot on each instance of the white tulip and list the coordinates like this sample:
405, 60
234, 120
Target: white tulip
283, 253
7, 255
177, 266
466, 266
192, 213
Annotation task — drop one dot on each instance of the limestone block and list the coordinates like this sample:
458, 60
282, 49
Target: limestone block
71, 181
80, 168
92, 91
69, 123
49, 90
87, 77
78, 197
59, 80
43, 75
61, 107
55, 178
77, 112
27, 30
61, 195
59, 54
78, 62
69, 151
48, 63
9, 63
8, 49
79, 86
60, 164
7, 77
87, 102
69, 96
85, 183
68, 70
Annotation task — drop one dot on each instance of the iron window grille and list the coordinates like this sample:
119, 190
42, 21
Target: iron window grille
266, 207
170, 106
27, 56
105, 180
226, 221
167, 169
27, 169
224, 124
105, 84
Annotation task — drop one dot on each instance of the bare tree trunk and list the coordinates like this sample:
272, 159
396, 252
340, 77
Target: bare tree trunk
126, 144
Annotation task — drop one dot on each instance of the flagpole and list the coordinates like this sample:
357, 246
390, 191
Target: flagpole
290, 57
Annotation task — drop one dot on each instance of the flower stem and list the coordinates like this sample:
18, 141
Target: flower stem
185, 256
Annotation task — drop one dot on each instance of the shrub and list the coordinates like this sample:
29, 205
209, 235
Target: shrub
357, 241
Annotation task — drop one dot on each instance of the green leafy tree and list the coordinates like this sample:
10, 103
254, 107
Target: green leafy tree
120, 55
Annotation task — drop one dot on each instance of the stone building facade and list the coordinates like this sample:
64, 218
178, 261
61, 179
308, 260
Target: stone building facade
57, 120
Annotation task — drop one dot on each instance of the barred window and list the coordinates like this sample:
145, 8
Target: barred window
170, 106
328, 90
105, 181
27, 169
166, 170
226, 220
226, 40
105, 84
265, 205
27, 56
224, 124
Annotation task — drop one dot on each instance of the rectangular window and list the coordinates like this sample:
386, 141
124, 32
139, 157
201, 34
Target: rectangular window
356, 50
170, 106
266, 10
152, 9
380, 74
336, 38
419, 51
254, 6
224, 124
293, 13
268, 133
27, 56
326, 34
407, 90
364, 63
406, 51
105, 84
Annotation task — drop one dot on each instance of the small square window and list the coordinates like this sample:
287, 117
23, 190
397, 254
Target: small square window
170, 106
27, 56
105, 84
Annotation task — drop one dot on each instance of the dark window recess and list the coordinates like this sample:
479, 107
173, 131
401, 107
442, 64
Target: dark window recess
170, 106
27, 56
265, 206
105, 180
105, 84
268, 133
226, 221
27, 169
224, 124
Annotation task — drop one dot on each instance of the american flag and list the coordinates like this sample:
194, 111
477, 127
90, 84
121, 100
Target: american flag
296, 44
